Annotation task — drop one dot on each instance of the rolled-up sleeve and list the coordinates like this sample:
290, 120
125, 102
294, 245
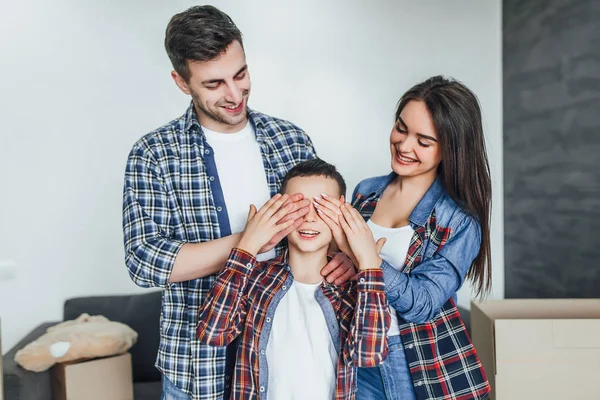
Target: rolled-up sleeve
149, 253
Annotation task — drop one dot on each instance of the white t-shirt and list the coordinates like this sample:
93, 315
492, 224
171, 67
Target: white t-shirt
301, 356
241, 174
394, 251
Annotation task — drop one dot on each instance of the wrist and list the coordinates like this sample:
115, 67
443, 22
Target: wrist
373, 262
248, 246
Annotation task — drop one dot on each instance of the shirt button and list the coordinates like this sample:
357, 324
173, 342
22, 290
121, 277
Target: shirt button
268, 320
262, 389
212, 178
284, 287
219, 209
262, 352
362, 280
227, 378
249, 265
207, 151
420, 383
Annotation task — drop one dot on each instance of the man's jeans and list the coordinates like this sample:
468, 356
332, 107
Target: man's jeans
172, 392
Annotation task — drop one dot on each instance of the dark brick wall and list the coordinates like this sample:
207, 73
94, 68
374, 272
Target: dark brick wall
551, 53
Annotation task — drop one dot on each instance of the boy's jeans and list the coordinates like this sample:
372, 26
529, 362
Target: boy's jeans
391, 380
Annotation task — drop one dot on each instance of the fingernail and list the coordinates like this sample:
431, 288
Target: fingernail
319, 211
324, 195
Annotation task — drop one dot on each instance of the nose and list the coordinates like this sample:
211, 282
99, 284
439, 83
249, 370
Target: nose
234, 93
406, 145
312, 215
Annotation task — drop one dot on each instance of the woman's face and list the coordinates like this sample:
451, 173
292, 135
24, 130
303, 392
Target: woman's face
414, 143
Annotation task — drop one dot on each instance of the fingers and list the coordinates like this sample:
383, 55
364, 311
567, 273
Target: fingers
299, 213
331, 266
328, 203
332, 214
282, 212
379, 244
275, 206
337, 273
269, 203
296, 197
251, 212
349, 217
346, 277
345, 227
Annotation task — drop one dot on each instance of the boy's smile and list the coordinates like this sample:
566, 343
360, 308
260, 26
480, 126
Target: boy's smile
314, 234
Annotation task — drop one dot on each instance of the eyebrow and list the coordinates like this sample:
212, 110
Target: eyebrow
421, 135
210, 81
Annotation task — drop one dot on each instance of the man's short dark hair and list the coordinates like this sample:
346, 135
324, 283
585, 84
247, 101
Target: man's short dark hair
200, 33
314, 167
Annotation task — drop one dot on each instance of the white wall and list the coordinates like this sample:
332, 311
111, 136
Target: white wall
81, 81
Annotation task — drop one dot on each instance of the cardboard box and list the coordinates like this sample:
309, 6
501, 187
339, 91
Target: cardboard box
539, 349
98, 379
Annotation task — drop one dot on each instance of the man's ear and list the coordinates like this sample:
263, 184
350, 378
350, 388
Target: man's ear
180, 82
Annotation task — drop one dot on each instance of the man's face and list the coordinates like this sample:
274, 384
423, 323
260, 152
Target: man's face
220, 89
314, 234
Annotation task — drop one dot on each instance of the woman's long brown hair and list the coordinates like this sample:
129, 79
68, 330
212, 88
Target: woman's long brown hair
464, 170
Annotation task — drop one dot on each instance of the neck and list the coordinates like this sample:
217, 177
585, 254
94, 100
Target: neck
306, 267
415, 185
217, 126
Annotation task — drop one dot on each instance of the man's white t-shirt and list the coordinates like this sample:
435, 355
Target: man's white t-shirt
394, 251
301, 355
241, 175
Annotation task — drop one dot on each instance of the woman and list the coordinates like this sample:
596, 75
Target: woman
434, 211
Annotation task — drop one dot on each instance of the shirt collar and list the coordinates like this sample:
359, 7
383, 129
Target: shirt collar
422, 211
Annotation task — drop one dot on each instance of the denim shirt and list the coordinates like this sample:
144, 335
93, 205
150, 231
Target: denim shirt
441, 357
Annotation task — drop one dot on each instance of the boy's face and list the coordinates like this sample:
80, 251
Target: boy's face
314, 234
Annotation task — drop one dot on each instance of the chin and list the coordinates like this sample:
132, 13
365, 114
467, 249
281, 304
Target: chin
308, 246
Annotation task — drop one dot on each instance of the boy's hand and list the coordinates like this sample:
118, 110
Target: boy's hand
360, 238
300, 207
263, 225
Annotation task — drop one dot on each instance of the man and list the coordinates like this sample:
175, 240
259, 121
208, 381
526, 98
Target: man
188, 186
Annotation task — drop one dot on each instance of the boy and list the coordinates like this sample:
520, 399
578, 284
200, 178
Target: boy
301, 337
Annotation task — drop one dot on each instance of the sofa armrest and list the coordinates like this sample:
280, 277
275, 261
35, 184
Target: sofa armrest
20, 384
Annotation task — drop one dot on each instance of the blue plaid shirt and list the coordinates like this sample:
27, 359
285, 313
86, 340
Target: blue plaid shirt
172, 196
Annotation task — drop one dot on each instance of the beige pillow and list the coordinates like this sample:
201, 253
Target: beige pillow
83, 338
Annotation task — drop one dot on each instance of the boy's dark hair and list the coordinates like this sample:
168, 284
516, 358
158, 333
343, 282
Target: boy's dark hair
314, 167
200, 33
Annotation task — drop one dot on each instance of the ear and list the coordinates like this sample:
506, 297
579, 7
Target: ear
180, 82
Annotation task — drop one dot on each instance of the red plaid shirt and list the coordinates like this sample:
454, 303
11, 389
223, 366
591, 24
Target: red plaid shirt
242, 303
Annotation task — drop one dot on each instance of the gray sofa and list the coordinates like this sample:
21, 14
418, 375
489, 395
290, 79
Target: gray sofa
140, 311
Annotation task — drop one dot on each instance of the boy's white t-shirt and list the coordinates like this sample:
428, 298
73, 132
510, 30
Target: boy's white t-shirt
394, 251
241, 174
301, 356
